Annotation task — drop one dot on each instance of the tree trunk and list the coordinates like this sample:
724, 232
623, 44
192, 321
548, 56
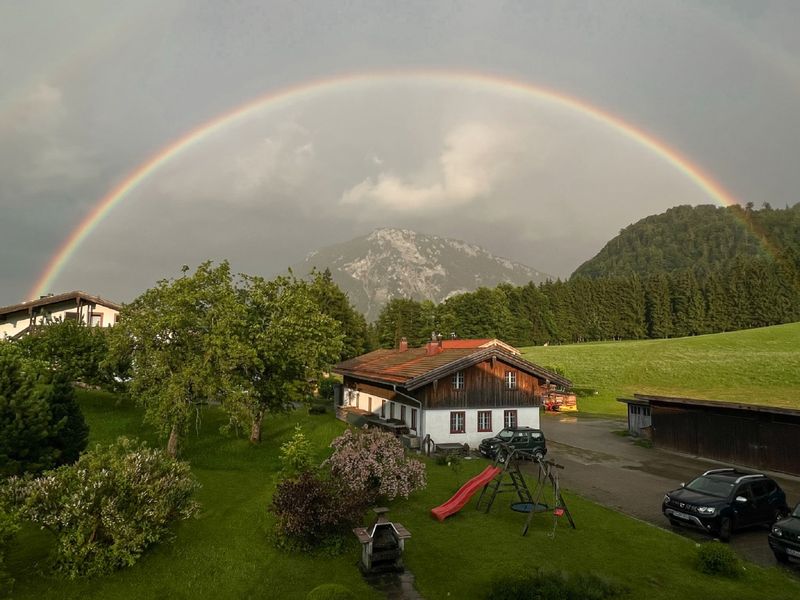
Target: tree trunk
172, 444
255, 430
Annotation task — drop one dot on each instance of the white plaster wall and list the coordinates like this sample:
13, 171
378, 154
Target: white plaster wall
16, 322
437, 424
362, 400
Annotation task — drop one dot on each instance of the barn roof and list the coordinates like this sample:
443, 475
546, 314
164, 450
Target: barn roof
55, 299
415, 367
756, 408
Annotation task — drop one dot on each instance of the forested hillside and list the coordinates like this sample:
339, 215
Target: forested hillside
698, 237
747, 293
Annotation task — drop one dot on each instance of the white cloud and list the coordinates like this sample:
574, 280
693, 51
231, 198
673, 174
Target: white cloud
474, 157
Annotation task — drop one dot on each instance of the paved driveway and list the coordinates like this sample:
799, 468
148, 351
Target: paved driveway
614, 471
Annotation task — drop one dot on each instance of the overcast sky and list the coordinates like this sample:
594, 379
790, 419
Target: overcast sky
89, 90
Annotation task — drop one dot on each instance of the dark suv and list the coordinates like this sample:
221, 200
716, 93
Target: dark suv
722, 500
518, 438
784, 538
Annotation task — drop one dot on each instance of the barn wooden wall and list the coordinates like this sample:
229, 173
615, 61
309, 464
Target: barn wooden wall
755, 439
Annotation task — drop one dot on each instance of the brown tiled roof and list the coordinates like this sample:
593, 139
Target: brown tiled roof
58, 298
414, 368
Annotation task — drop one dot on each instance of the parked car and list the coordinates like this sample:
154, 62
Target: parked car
518, 438
723, 500
784, 537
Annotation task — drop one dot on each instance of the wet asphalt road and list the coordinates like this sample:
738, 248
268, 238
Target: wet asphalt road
612, 470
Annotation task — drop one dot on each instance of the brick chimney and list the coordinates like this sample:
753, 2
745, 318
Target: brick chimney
403, 345
434, 346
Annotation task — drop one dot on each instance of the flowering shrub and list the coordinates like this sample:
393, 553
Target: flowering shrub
372, 463
312, 512
108, 507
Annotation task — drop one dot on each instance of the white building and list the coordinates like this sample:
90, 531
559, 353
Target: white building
15, 320
455, 391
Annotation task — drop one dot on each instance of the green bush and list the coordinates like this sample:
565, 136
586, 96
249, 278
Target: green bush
108, 507
295, 455
8, 527
71, 348
716, 558
41, 424
312, 512
545, 584
330, 591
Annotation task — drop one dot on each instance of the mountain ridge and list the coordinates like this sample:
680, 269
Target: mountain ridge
400, 263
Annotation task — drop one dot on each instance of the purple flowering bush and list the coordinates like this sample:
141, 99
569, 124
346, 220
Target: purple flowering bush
371, 463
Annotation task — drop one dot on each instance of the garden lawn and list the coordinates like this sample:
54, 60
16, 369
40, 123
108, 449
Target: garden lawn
754, 366
227, 552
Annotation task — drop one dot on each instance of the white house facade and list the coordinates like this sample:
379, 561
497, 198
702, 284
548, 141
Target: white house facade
17, 319
452, 391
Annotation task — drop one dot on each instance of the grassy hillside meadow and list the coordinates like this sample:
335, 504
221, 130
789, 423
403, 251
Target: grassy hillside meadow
758, 366
226, 552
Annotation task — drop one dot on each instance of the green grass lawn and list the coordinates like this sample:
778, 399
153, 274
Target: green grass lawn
227, 553
758, 366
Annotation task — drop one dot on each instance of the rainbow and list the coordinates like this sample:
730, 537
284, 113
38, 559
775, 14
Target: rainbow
355, 81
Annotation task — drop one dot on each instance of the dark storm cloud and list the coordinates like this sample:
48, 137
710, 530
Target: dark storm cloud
88, 91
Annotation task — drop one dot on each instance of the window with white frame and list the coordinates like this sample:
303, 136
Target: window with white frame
511, 380
458, 422
383, 409
458, 380
484, 420
509, 419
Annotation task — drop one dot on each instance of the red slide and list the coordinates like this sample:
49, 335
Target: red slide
462, 496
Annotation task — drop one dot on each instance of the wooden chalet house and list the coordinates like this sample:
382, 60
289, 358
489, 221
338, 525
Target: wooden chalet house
455, 391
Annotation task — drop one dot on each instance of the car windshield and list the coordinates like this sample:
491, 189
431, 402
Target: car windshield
506, 434
712, 487
796, 511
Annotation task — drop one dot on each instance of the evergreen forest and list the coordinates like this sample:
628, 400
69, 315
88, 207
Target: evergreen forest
688, 271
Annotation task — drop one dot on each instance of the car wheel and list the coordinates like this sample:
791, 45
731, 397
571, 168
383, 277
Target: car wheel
538, 455
725, 529
781, 557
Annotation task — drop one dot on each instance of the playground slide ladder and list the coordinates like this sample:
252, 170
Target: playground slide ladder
498, 485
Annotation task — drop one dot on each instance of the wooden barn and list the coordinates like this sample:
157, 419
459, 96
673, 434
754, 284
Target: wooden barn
762, 437
455, 391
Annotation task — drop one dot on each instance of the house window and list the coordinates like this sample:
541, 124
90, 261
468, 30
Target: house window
383, 409
403, 413
369, 404
96, 319
458, 380
71, 316
457, 422
509, 418
414, 419
511, 380
484, 420
391, 410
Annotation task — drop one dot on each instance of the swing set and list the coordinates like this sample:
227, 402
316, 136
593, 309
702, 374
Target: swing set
545, 497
